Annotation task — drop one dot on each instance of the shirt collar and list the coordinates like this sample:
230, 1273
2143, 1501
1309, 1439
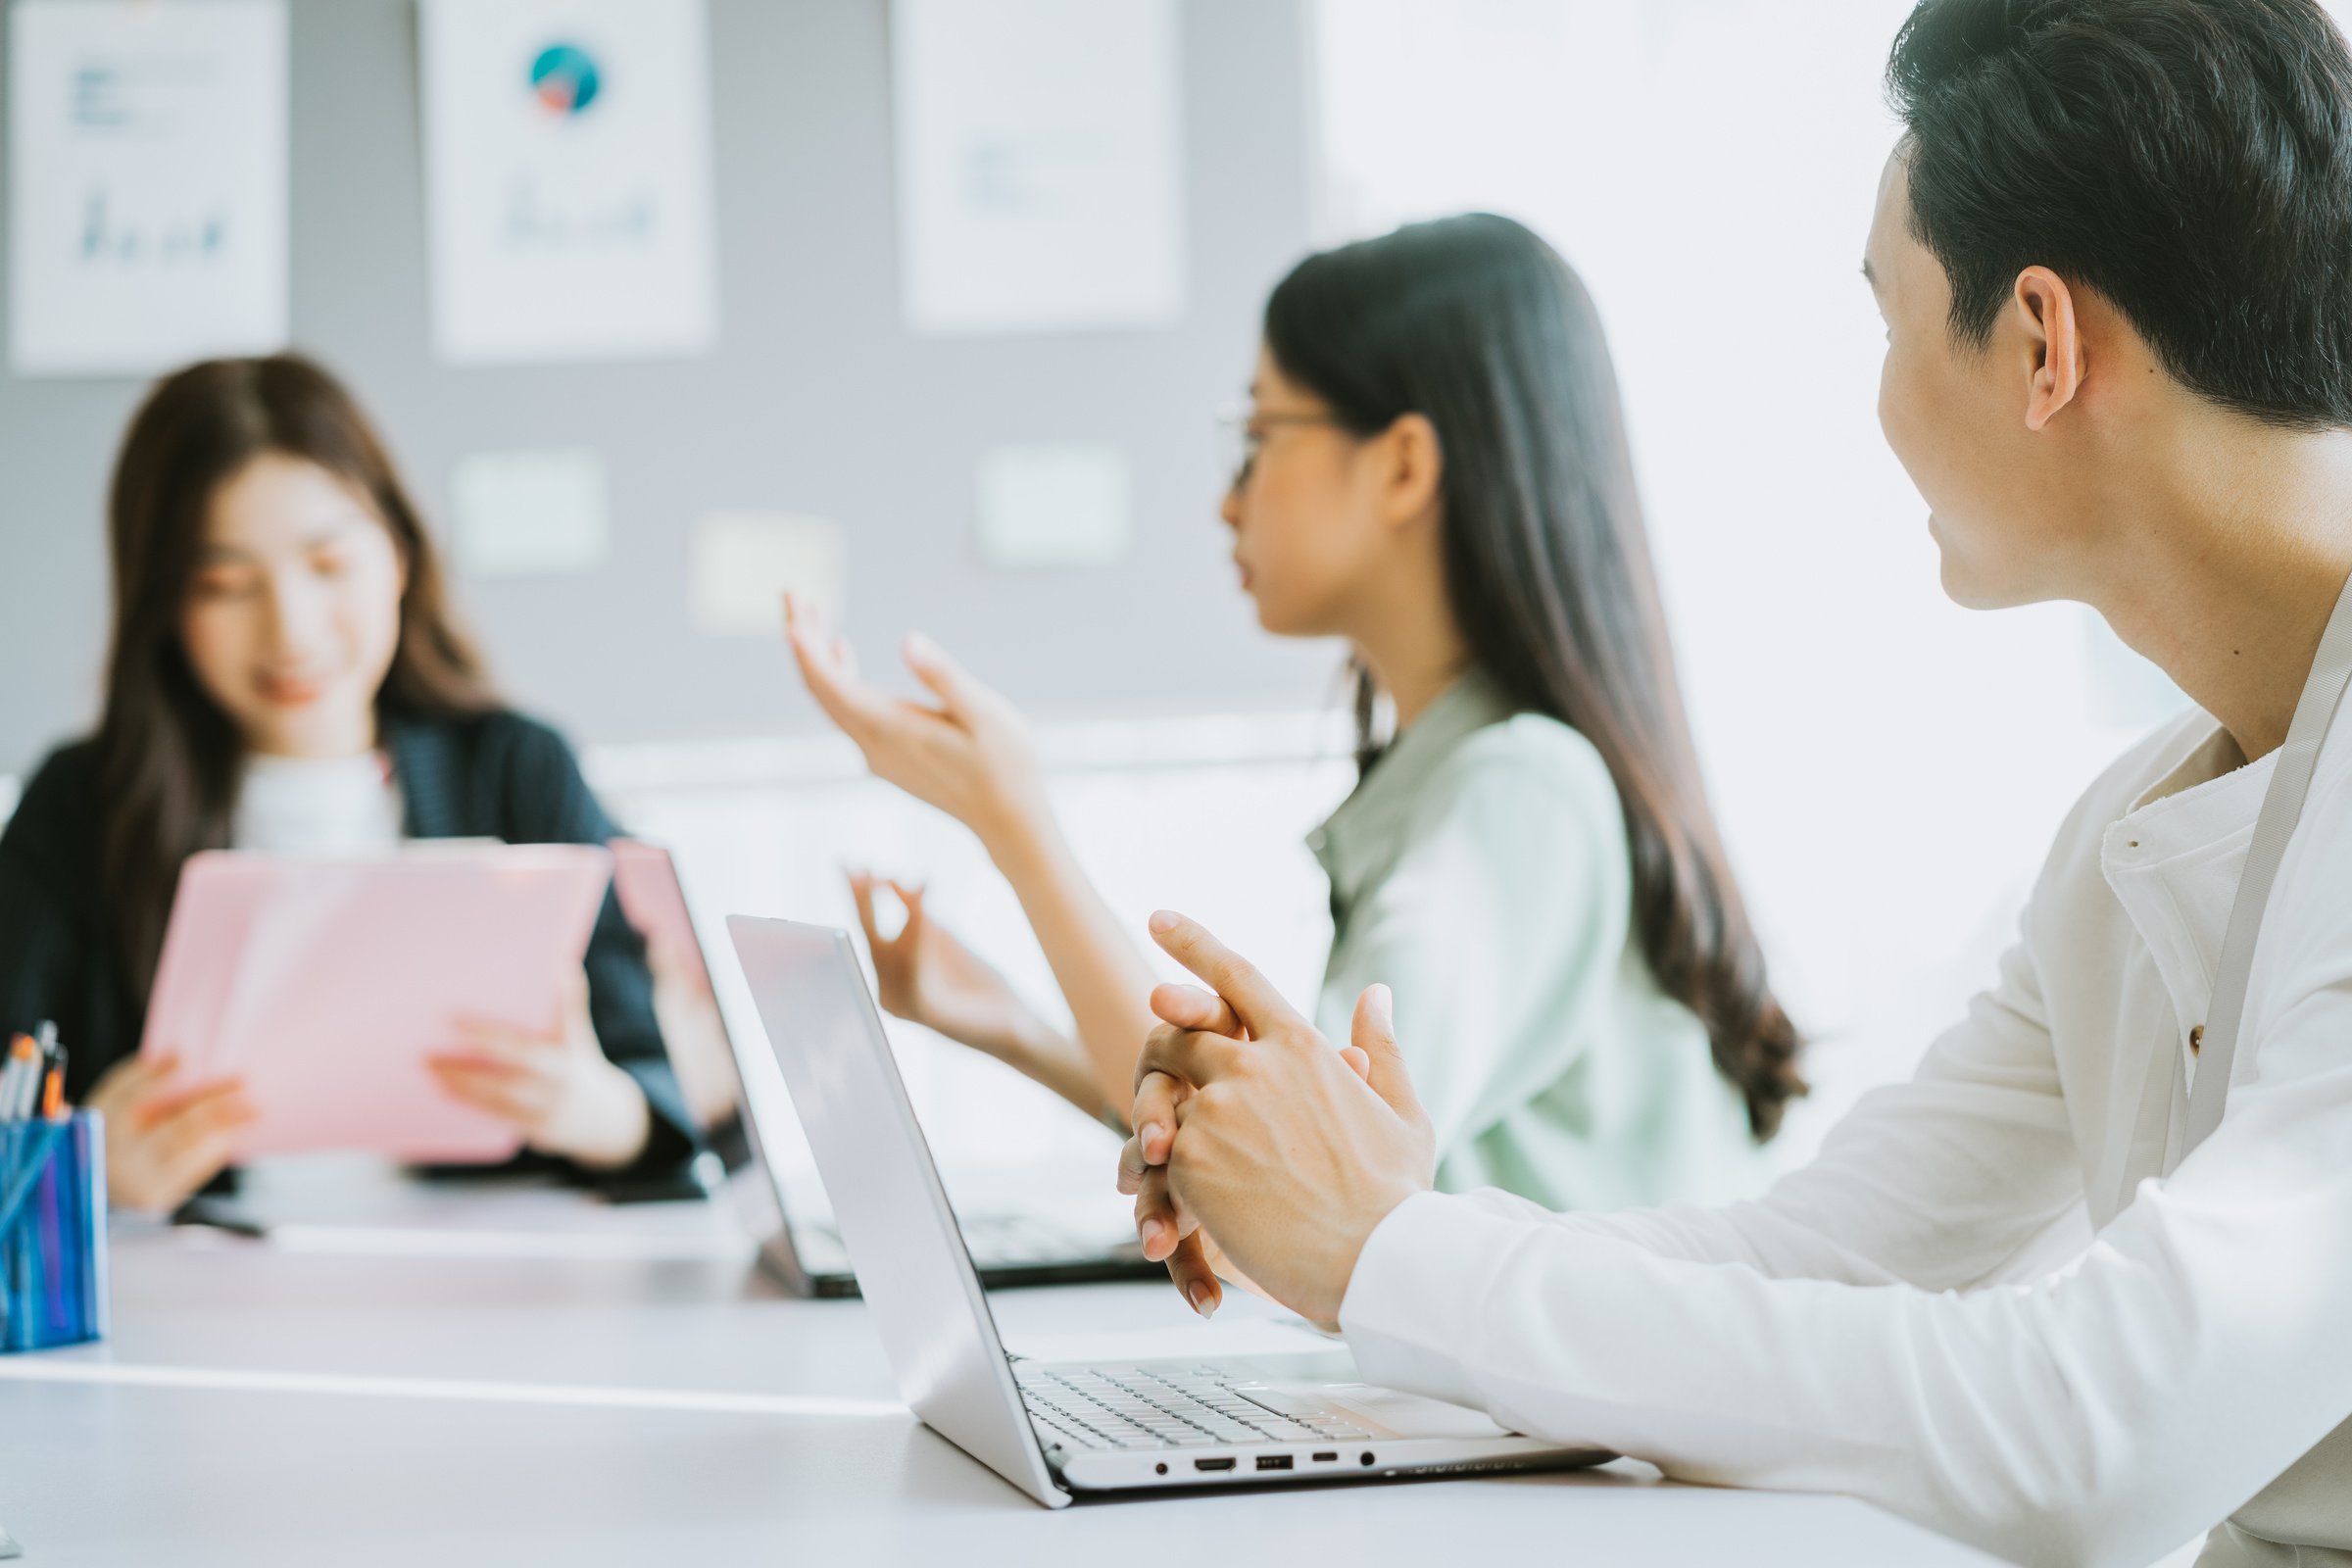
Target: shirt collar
1361, 836
2209, 792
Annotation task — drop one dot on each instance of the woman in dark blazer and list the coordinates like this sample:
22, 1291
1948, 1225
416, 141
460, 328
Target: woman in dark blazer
285, 674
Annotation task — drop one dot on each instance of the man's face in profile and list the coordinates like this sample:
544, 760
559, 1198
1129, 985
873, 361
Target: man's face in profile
1954, 412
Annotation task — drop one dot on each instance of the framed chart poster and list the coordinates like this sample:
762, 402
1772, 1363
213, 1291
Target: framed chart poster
567, 179
147, 181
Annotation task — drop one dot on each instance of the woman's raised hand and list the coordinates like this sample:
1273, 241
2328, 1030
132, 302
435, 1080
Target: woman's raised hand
970, 756
927, 976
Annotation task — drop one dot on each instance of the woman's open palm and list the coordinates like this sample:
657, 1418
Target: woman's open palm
970, 756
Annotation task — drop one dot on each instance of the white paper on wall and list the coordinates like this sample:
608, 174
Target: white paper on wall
148, 180
531, 513
1052, 506
1040, 164
740, 564
567, 178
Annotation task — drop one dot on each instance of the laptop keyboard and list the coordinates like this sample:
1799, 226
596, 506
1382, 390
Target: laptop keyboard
1011, 1241
1130, 1407
1004, 1241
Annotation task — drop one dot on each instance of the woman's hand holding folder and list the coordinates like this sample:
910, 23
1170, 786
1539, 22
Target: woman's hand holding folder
559, 1089
166, 1134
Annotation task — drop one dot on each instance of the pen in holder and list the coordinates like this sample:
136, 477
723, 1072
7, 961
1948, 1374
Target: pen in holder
52, 1232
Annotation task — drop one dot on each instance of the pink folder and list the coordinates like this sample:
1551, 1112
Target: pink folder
327, 983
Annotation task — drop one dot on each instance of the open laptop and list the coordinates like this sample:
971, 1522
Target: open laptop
1023, 1243
1055, 1429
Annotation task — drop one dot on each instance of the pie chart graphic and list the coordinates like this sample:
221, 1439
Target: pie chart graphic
563, 78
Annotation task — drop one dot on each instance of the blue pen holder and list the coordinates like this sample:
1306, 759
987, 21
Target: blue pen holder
52, 1232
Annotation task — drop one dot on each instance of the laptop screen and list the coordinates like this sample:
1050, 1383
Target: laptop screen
919, 1282
1003, 1145
714, 1080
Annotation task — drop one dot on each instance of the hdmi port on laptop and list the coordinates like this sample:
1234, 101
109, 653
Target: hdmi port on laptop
1225, 1463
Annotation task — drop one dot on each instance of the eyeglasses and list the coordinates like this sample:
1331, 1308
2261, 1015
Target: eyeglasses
1242, 436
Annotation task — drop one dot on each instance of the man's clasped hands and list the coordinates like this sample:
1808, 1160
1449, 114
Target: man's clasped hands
1259, 1150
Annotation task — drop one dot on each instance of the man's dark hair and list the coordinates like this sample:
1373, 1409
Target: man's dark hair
2189, 159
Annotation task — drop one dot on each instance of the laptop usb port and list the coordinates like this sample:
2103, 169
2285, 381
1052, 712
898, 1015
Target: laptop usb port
1326, 1457
1225, 1463
1273, 1461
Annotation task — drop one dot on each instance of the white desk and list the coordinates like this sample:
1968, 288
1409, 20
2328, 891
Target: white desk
260, 1405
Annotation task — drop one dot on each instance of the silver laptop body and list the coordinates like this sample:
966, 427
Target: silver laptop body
1011, 1247
1056, 1429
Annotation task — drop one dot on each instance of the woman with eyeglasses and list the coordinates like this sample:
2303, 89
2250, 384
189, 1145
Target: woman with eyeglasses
1435, 469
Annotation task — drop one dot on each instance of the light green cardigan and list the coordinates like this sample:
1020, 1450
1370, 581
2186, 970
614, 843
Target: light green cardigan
1481, 870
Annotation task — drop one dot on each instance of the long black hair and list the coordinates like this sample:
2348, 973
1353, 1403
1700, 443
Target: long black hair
168, 757
1476, 325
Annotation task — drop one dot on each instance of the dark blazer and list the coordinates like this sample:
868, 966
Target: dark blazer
496, 775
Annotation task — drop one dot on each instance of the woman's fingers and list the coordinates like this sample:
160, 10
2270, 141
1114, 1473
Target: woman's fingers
910, 899
818, 655
504, 1093
830, 673
863, 886
957, 692
514, 1057
576, 997
478, 1065
490, 1041
167, 1100
861, 892
805, 626
197, 1138
872, 718
131, 1081
476, 1029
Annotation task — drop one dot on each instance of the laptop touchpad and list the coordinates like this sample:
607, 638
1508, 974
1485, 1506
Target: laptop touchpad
1407, 1415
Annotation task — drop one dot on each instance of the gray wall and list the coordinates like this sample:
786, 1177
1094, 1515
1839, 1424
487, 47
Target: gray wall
816, 400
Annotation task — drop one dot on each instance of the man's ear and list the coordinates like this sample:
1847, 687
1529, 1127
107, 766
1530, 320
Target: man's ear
1416, 468
2055, 360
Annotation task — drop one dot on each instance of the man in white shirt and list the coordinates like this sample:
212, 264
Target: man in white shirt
2114, 253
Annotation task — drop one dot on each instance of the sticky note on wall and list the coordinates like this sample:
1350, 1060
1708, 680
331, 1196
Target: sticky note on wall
741, 564
529, 513
1050, 506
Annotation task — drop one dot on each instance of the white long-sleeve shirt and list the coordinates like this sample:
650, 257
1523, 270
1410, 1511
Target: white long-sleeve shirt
1851, 1331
